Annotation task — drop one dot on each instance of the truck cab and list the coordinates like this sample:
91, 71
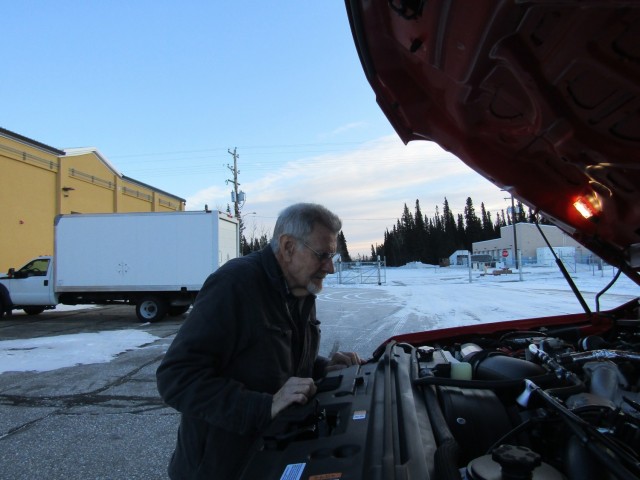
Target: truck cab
31, 286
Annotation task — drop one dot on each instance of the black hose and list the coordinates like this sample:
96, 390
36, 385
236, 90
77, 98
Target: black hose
565, 392
447, 454
488, 384
609, 285
515, 431
446, 460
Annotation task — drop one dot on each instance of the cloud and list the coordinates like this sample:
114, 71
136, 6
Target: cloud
366, 186
345, 128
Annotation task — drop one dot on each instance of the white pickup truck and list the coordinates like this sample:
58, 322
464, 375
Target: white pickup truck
156, 261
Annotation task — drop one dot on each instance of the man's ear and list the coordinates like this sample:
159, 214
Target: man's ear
288, 246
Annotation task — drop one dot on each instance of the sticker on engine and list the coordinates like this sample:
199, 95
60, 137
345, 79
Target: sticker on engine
359, 415
326, 476
293, 471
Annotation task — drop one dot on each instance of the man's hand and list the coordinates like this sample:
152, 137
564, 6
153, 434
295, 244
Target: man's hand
340, 360
295, 390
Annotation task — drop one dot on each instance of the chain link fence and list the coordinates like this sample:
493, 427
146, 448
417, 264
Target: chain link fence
352, 273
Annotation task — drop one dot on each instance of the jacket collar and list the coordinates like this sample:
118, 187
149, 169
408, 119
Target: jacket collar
274, 272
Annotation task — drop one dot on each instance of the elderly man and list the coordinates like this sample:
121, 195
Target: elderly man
249, 348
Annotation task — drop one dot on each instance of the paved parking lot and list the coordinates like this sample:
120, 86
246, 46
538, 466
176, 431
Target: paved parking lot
98, 421
106, 420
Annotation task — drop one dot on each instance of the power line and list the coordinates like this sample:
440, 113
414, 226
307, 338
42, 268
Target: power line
249, 147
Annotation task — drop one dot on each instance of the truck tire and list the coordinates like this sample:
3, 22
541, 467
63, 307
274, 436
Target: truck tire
174, 311
151, 309
5, 301
33, 310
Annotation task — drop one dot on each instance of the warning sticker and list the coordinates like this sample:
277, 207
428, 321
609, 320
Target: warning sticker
326, 476
359, 414
293, 471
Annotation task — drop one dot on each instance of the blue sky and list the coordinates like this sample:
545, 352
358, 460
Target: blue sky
165, 89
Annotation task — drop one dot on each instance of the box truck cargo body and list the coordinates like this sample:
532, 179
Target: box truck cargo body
157, 261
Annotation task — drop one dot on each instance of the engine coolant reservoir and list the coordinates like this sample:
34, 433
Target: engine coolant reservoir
509, 462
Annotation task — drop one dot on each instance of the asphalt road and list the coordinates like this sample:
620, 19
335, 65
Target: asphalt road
106, 420
100, 421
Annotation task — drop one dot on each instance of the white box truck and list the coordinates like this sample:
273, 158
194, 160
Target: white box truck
156, 261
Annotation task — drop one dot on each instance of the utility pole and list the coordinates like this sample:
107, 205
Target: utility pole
237, 197
517, 261
235, 194
515, 237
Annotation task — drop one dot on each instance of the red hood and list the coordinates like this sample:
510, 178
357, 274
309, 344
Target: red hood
541, 98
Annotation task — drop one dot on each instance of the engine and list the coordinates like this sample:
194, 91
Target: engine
522, 405
528, 405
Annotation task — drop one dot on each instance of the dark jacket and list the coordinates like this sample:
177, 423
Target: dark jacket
230, 356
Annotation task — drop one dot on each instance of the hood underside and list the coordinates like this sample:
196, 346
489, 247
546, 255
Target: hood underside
541, 98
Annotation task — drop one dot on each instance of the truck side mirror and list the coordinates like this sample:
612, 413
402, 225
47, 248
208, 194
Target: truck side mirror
11, 272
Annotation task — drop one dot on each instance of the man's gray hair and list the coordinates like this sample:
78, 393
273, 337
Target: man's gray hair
299, 219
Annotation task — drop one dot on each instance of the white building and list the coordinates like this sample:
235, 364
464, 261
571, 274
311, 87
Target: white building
528, 240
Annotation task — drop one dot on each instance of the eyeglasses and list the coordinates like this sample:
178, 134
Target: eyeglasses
322, 257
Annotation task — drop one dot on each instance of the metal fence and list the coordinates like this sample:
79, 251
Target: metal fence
572, 261
351, 273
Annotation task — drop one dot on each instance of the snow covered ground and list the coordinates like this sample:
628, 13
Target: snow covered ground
423, 297
360, 317
50, 353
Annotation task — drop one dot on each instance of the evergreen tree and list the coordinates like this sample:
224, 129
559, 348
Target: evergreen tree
420, 235
437, 238
450, 242
488, 231
342, 248
462, 234
394, 250
473, 225
506, 219
407, 229
531, 216
378, 252
415, 237
521, 216
245, 246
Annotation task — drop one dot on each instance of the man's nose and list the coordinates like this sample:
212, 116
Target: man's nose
328, 266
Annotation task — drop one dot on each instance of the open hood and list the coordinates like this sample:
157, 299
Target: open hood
541, 98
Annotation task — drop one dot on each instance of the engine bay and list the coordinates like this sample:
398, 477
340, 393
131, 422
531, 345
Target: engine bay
541, 403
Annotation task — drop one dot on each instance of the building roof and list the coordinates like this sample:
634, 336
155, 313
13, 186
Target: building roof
133, 180
29, 141
96, 152
80, 151
85, 150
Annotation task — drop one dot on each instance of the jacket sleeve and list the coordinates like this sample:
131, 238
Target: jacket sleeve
320, 367
190, 377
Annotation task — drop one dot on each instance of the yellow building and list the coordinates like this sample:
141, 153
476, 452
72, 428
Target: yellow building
38, 182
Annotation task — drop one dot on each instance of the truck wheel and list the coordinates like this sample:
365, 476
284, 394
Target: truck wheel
33, 310
174, 311
151, 309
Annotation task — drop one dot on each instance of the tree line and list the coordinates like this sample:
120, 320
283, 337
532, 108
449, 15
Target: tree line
258, 241
417, 238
